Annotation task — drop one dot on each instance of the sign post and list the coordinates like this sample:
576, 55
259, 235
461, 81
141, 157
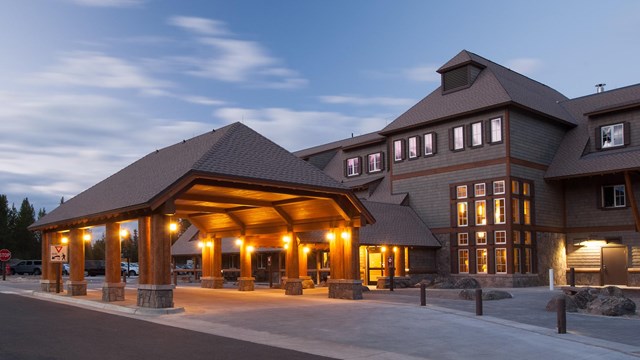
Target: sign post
5, 255
59, 255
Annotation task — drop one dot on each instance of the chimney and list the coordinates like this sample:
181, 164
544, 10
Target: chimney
600, 88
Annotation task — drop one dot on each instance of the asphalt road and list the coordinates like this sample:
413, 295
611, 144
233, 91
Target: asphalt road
34, 329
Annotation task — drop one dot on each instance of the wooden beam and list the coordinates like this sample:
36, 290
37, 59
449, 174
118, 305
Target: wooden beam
237, 221
291, 201
283, 214
200, 209
632, 199
225, 200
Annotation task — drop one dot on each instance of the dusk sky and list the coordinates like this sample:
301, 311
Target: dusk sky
89, 86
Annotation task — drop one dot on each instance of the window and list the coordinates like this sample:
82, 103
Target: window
527, 260
463, 261
479, 189
501, 261
526, 211
476, 134
458, 138
515, 187
500, 237
353, 166
496, 130
481, 261
481, 238
612, 136
375, 162
515, 211
516, 237
429, 144
498, 211
481, 212
462, 214
463, 239
398, 150
498, 187
613, 196
413, 147
461, 192
527, 237
516, 261
526, 189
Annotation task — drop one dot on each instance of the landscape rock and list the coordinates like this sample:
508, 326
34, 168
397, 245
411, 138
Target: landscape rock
467, 283
365, 288
612, 306
608, 301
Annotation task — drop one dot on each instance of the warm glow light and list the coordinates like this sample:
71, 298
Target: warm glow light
286, 239
124, 233
86, 237
210, 244
286, 246
306, 250
65, 240
344, 235
383, 249
238, 242
331, 236
594, 243
481, 234
200, 244
173, 226
480, 210
395, 249
250, 248
461, 207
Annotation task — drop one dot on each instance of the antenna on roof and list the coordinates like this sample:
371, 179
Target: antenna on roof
351, 134
600, 88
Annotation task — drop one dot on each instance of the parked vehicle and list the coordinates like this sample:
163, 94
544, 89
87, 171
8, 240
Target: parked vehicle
65, 269
94, 267
132, 269
31, 267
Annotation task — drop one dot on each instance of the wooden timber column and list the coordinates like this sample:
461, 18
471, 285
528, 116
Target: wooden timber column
113, 288
293, 283
206, 245
246, 281
158, 293
303, 252
144, 250
76, 285
48, 279
345, 244
398, 261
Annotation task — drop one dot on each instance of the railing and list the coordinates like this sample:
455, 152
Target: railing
190, 275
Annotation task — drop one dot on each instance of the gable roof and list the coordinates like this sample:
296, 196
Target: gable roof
348, 143
571, 160
234, 152
495, 86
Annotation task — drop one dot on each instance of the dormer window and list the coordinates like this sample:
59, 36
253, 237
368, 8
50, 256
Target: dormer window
612, 135
459, 78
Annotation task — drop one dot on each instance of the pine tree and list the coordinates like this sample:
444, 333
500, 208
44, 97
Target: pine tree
27, 245
5, 231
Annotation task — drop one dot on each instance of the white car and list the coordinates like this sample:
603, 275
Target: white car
133, 269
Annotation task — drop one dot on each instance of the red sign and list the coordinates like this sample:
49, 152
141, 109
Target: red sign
5, 255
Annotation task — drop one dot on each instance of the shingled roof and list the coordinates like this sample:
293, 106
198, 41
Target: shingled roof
234, 151
495, 86
571, 159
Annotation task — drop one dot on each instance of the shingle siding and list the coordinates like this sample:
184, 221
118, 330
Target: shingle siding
533, 139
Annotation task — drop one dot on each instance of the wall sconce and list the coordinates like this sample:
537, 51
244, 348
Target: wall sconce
331, 236
173, 227
200, 244
65, 240
124, 233
395, 249
345, 235
86, 237
383, 249
238, 242
286, 239
306, 249
286, 246
209, 244
250, 248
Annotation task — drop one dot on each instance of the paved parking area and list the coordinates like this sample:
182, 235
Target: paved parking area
383, 326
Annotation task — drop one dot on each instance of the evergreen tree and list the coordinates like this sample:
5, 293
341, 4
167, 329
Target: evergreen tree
98, 249
5, 231
27, 245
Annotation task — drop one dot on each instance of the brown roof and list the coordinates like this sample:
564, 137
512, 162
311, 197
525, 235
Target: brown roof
234, 151
571, 160
351, 142
495, 86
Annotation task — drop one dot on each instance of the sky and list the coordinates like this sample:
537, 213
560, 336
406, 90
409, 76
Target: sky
89, 86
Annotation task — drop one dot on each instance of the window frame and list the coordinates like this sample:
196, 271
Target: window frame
501, 264
458, 139
381, 161
526, 211
613, 138
615, 197
460, 264
484, 215
499, 183
461, 242
495, 132
398, 154
357, 168
485, 257
432, 142
466, 192
462, 218
475, 190
484, 238
499, 217
515, 211
415, 146
476, 134
496, 237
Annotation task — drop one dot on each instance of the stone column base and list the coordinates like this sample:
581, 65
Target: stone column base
345, 289
307, 283
293, 287
76, 288
113, 292
246, 283
155, 296
211, 282
49, 286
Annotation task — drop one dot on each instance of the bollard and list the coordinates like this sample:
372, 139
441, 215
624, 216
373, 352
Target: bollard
391, 283
561, 304
423, 294
551, 279
572, 277
479, 302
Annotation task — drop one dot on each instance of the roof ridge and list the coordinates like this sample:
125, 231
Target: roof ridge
601, 93
216, 145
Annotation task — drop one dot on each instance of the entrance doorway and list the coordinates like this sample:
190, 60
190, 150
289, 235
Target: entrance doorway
375, 263
614, 265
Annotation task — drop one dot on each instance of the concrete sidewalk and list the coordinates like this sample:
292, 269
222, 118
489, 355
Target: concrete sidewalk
383, 326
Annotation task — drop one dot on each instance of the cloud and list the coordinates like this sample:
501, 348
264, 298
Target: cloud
108, 3
294, 130
199, 26
95, 69
525, 66
366, 101
422, 73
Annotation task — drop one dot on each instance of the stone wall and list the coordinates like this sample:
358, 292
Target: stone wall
444, 254
502, 280
551, 255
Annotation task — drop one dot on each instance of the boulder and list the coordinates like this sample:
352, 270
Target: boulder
308, 284
467, 294
583, 297
467, 283
365, 288
444, 284
611, 291
570, 304
612, 306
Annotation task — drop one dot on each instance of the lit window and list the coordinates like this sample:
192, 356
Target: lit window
481, 238
515, 187
613, 196
413, 147
516, 261
516, 237
375, 162
476, 134
462, 214
498, 187
498, 211
480, 189
463, 261
458, 138
461, 192
496, 130
527, 237
501, 261
612, 135
515, 210
526, 189
500, 237
353, 166
429, 144
463, 239
481, 261
398, 151
481, 212
526, 210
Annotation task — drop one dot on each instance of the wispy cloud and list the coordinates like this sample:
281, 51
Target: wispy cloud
526, 66
200, 26
108, 3
425, 73
366, 101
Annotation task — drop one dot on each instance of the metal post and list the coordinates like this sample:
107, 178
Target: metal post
572, 277
391, 282
269, 271
479, 302
423, 294
4, 271
561, 304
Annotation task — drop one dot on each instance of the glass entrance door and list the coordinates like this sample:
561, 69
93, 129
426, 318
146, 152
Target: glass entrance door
375, 264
